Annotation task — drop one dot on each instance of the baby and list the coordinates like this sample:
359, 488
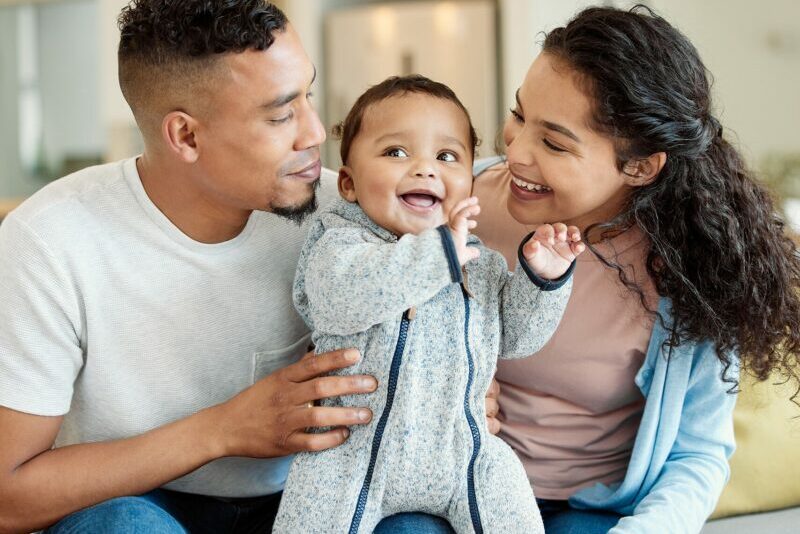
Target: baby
392, 270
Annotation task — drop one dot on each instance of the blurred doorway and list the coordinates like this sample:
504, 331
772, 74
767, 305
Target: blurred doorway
450, 42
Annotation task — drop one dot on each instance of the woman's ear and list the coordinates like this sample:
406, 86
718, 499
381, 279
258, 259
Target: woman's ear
347, 188
178, 130
639, 172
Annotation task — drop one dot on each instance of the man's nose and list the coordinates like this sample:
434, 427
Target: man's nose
311, 131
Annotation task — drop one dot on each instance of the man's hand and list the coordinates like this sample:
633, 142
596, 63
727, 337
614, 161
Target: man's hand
552, 248
460, 224
271, 417
493, 407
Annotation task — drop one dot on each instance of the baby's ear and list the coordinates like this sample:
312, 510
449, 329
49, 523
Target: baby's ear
347, 188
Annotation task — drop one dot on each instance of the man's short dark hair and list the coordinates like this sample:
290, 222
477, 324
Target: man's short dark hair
170, 44
348, 129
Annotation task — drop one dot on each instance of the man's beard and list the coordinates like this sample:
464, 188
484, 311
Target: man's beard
298, 213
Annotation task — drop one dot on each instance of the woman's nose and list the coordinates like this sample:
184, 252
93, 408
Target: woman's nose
520, 151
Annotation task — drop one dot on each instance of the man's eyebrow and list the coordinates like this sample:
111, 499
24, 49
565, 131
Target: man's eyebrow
285, 99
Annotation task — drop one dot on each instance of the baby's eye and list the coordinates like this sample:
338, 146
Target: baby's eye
396, 153
447, 156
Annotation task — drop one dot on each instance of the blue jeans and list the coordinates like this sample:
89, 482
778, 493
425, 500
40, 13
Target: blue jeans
560, 518
169, 512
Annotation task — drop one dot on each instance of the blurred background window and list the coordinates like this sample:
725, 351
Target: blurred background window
61, 109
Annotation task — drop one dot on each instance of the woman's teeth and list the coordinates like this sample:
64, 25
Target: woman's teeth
539, 188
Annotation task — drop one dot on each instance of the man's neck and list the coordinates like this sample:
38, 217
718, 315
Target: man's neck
175, 193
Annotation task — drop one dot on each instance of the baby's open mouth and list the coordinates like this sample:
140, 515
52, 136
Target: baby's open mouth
420, 200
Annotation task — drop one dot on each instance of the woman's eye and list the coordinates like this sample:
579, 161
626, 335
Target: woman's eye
396, 153
551, 146
448, 157
517, 115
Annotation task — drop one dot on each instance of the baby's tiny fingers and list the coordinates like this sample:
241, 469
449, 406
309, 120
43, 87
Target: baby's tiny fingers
545, 233
574, 233
560, 230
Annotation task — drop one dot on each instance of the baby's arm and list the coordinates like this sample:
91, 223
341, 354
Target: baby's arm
353, 284
534, 298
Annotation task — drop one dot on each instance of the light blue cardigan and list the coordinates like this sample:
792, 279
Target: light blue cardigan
679, 462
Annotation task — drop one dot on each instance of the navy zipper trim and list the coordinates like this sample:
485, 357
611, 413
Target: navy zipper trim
476, 436
394, 372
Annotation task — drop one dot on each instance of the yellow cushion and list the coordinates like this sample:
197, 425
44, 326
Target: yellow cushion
765, 469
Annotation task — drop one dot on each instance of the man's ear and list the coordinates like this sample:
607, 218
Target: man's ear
178, 130
347, 188
639, 172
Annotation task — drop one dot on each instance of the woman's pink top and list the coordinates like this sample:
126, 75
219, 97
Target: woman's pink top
571, 411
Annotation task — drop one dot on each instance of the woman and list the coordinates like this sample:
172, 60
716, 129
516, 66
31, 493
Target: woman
624, 420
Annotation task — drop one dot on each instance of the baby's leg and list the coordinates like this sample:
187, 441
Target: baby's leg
321, 493
505, 501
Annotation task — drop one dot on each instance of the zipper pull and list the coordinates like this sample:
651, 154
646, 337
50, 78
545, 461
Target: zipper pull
465, 281
411, 313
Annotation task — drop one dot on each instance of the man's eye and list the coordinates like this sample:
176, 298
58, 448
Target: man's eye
283, 119
447, 156
396, 153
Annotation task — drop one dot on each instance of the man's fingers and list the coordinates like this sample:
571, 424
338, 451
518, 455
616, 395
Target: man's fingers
331, 386
319, 416
308, 368
302, 441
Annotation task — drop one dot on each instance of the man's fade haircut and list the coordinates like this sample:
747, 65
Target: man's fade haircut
348, 129
167, 45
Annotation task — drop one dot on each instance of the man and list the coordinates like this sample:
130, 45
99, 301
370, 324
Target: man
146, 322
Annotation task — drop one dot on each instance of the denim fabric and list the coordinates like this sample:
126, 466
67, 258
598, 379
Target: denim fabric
170, 512
560, 518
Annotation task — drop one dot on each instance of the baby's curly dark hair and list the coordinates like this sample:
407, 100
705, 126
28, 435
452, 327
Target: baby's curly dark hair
161, 40
718, 248
348, 129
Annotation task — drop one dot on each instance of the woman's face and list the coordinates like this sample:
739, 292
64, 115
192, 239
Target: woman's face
562, 170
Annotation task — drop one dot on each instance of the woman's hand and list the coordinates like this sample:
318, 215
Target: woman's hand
460, 224
552, 249
493, 407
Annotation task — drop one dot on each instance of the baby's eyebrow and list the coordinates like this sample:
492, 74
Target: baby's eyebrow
456, 141
391, 135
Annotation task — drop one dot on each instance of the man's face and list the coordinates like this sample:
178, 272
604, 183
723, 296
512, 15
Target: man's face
259, 141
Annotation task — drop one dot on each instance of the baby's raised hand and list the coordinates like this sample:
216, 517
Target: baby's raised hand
460, 224
552, 248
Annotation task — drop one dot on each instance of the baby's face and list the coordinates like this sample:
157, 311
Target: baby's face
410, 162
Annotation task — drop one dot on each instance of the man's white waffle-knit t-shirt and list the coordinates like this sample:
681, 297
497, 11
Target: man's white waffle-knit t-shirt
112, 317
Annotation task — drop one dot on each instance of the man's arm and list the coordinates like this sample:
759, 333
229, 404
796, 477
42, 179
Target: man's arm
40, 485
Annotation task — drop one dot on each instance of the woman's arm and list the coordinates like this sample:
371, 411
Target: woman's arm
691, 481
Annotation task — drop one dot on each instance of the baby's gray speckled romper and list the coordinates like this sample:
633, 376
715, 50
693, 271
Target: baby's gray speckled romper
430, 333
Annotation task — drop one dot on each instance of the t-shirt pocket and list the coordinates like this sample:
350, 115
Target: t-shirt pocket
267, 362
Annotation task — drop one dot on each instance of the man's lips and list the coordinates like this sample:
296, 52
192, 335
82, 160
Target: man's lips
309, 173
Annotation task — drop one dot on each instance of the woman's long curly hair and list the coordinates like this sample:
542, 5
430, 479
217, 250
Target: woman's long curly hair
717, 247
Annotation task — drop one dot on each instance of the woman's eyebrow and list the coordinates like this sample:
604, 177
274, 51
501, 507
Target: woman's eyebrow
560, 129
551, 125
